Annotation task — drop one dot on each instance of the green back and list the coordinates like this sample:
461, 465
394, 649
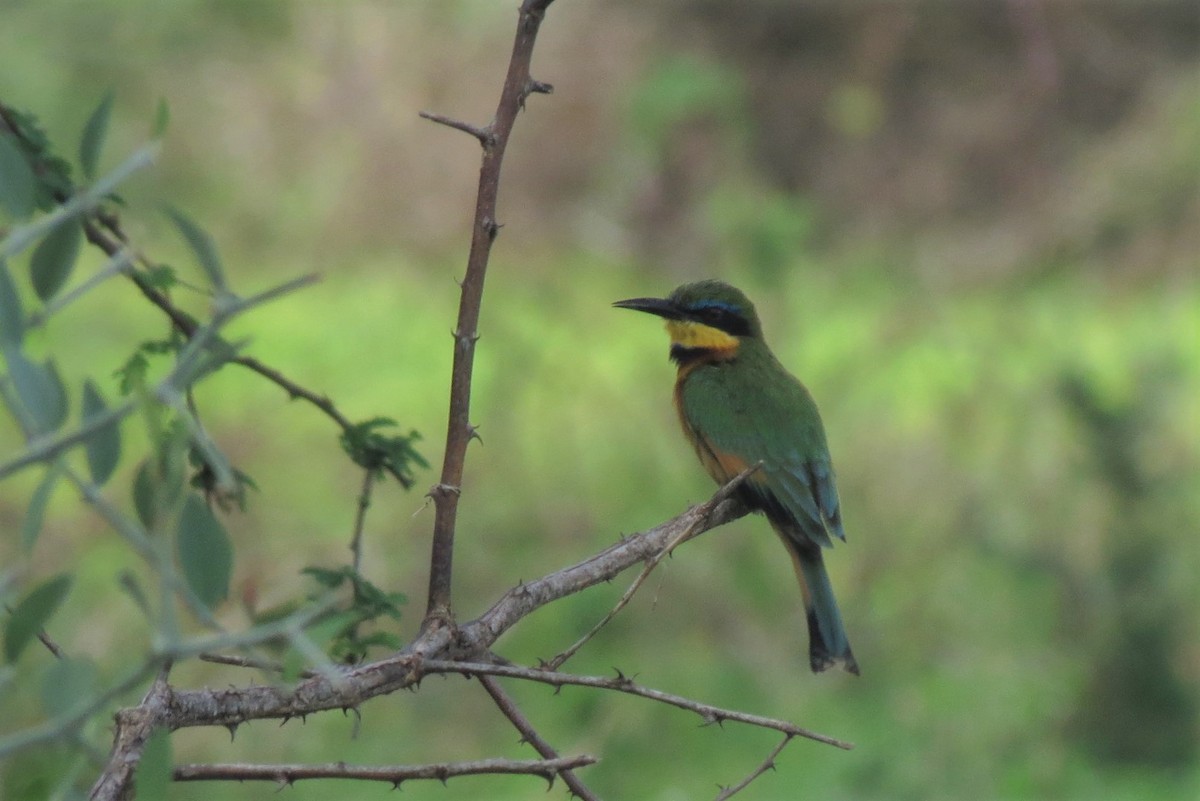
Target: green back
753, 408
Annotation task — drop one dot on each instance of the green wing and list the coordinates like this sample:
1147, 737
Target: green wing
759, 412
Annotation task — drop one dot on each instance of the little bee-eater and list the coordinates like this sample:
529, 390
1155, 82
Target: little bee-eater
740, 406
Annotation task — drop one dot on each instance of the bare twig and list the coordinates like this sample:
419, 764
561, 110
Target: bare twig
529, 734
725, 492
249, 662
485, 135
50, 644
360, 518
458, 428
392, 774
621, 683
763, 767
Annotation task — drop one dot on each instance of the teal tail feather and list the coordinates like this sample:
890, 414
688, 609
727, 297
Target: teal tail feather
828, 644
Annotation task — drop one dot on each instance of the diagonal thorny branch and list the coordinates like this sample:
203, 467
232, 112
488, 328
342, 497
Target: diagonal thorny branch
166, 707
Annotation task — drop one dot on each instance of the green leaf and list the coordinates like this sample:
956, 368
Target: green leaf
68, 685
162, 118
205, 553
103, 447
40, 389
31, 614
145, 495
377, 452
31, 526
155, 771
12, 319
55, 257
94, 133
201, 244
161, 277
17, 183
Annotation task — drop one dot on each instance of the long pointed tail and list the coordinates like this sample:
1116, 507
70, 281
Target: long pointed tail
827, 642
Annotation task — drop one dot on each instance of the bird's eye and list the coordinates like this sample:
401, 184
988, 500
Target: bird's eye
716, 315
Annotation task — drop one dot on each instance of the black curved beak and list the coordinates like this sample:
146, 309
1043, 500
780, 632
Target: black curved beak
659, 306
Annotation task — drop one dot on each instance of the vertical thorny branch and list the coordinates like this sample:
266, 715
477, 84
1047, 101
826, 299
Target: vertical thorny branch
459, 431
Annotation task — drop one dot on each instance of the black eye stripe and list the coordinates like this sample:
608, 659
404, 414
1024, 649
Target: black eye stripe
726, 319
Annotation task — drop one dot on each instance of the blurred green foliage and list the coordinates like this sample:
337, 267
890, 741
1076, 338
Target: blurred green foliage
1018, 455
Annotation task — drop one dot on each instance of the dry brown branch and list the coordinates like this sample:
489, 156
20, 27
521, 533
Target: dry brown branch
393, 774
459, 432
622, 684
529, 734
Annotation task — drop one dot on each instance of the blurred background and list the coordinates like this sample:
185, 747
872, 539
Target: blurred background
971, 228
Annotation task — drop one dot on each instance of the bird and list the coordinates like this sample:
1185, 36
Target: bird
739, 406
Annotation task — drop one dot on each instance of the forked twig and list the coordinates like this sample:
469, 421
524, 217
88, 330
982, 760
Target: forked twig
651, 563
763, 767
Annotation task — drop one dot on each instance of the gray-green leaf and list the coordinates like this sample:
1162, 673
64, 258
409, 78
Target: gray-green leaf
68, 685
31, 614
54, 258
162, 118
201, 244
12, 319
205, 553
94, 133
17, 183
40, 389
31, 526
103, 447
155, 771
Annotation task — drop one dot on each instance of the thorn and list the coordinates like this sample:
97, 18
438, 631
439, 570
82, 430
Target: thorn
473, 433
396, 783
233, 727
491, 227
442, 490
283, 722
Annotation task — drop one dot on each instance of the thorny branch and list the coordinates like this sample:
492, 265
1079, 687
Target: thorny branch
286, 775
494, 140
621, 683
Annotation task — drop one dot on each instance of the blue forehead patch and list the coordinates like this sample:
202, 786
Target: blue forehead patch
717, 304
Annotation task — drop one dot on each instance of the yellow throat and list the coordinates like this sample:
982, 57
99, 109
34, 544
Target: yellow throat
690, 334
